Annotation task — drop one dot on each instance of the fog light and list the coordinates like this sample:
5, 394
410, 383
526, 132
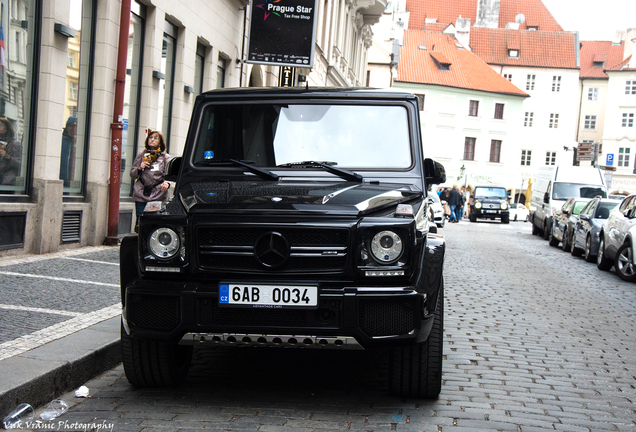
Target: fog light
383, 273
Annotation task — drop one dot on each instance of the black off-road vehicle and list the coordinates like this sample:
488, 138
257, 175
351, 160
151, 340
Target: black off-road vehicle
489, 202
299, 219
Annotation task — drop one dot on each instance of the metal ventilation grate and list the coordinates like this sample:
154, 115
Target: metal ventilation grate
71, 225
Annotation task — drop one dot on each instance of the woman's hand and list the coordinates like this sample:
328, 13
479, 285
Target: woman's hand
143, 165
2, 153
165, 185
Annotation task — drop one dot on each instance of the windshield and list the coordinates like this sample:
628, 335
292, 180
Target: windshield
490, 192
578, 206
268, 135
562, 191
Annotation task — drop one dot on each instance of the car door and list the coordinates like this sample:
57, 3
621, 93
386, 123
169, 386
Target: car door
618, 224
583, 225
561, 220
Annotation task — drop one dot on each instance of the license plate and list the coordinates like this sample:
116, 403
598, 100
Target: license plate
268, 296
491, 211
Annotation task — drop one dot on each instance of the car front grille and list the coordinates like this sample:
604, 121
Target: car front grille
272, 249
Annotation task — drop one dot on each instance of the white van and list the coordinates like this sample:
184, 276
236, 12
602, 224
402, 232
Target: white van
554, 184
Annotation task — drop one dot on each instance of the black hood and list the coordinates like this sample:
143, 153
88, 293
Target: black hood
335, 198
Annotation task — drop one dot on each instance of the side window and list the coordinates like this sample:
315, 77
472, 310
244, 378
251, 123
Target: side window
625, 203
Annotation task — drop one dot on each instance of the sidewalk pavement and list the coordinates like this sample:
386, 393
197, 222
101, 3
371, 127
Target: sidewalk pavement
42, 374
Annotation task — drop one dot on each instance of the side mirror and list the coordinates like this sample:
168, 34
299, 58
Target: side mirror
546, 198
584, 217
173, 168
434, 172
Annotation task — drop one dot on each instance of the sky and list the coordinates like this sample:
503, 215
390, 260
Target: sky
594, 19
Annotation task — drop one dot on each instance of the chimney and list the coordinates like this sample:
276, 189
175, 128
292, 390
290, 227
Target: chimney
462, 31
487, 13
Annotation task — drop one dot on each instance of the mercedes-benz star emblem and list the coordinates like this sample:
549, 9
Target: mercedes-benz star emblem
271, 249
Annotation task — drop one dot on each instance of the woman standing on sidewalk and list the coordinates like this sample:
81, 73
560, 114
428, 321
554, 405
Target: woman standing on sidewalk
148, 169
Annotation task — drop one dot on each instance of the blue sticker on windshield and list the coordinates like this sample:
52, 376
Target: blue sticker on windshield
224, 293
208, 154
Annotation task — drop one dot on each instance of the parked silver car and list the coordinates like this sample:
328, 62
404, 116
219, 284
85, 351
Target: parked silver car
586, 231
438, 210
616, 245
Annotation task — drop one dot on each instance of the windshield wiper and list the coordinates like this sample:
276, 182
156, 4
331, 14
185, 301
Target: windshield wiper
256, 170
327, 166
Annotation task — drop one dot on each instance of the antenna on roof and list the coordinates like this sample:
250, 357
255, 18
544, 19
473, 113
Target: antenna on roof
520, 18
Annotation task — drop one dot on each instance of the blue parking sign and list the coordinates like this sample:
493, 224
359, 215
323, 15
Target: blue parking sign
610, 159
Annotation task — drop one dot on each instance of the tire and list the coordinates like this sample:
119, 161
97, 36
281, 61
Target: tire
576, 251
547, 230
505, 219
624, 263
588, 250
441, 225
567, 245
473, 218
416, 371
535, 230
553, 241
515, 219
154, 364
602, 262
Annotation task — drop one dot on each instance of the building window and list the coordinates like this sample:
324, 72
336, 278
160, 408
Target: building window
72, 91
526, 156
554, 121
556, 83
527, 122
592, 94
623, 156
550, 158
469, 148
473, 109
79, 75
420, 101
508, 77
220, 73
590, 122
17, 78
513, 53
530, 82
134, 66
630, 88
166, 85
628, 120
495, 150
199, 69
499, 109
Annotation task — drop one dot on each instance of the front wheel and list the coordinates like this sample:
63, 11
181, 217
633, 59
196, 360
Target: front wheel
505, 219
588, 250
553, 241
602, 262
154, 364
547, 230
567, 246
624, 263
472, 218
416, 371
576, 251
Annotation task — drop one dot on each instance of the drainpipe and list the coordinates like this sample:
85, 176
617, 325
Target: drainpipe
117, 126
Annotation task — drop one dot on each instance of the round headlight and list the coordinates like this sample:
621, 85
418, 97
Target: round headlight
164, 243
386, 247
477, 205
504, 205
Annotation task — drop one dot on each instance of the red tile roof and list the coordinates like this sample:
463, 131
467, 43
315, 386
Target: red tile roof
536, 48
447, 11
599, 51
622, 66
416, 65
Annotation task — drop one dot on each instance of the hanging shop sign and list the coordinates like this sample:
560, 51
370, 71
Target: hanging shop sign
282, 32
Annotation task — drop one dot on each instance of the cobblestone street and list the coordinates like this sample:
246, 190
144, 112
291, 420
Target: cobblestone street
535, 339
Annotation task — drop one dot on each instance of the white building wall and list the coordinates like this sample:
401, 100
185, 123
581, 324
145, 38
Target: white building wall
615, 136
446, 124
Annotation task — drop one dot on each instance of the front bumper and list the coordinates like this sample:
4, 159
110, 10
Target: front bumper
346, 318
490, 213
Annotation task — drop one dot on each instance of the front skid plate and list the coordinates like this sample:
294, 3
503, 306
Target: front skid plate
263, 340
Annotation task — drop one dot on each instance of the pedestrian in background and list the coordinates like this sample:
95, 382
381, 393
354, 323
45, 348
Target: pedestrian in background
148, 169
10, 154
455, 203
68, 145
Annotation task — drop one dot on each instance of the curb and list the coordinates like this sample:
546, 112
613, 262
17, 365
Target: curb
40, 375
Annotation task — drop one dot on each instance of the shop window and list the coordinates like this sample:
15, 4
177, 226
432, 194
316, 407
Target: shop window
132, 95
166, 85
17, 81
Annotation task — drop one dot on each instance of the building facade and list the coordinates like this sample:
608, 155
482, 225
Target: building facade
57, 94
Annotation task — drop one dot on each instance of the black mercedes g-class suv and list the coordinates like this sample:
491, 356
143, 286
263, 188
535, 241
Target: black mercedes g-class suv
489, 202
299, 219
